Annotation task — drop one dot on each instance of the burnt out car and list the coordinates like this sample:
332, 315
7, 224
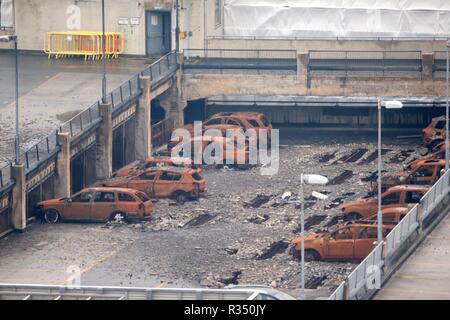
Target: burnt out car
426, 172
231, 153
98, 204
180, 184
399, 196
437, 153
390, 215
156, 162
352, 241
434, 133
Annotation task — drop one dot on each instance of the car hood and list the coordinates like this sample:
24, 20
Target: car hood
50, 202
297, 240
357, 202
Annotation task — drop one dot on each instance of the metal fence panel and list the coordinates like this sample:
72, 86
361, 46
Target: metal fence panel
5, 175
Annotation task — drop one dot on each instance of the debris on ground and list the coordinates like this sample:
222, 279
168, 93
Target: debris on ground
258, 201
344, 176
275, 248
200, 220
233, 280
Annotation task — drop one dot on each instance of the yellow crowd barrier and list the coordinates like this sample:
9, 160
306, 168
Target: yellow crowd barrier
83, 43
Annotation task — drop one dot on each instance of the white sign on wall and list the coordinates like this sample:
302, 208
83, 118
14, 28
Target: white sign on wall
123, 21
135, 21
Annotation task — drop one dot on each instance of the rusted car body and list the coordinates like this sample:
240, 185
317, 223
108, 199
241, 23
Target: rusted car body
398, 196
426, 172
435, 132
245, 120
156, 162
98, 204
390, 215
437, 153
177, 183
352, 241
232, 152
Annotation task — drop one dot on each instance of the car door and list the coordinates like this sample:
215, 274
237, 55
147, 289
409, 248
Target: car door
413, 197
364, 242
78, 207
144, 182
103, 206
340, 245
391, 199
166, 183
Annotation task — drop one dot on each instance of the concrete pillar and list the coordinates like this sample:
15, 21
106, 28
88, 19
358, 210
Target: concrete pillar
427, 66
19, 198
143, 139
63, 177
103, 159
302, 66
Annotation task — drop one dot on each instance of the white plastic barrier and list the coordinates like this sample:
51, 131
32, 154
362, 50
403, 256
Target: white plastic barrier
402, 231
338, 294
435, 195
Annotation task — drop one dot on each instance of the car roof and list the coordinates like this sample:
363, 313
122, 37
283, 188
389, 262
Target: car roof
170, 169
408, 187
110, 189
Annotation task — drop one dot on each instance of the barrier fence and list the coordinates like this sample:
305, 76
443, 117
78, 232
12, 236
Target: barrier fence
388, 255
83, 43
161, 68
372, 62
240, 59
40, 152
5, 175
82, 121
162, 132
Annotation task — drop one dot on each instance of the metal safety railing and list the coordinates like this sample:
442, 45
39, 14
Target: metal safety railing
83, 43
41, 151
162, 132
121, 95
371, 63
240, 59
387, 256
82, 121
162, 68
5, 175
47, 292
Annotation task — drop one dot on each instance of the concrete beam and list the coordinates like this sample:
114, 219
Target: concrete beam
103, 159
19, 198
63, 170
143, 131
302, 66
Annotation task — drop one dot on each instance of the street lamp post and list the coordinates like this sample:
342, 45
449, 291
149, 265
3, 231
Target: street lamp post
307, 179
103, 54
16, 63
177, 27
387, 105
447, 152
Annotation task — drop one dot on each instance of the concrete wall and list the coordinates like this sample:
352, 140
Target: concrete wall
198, 86
36, 18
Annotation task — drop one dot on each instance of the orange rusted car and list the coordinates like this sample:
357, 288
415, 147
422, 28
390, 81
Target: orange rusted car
98, 204
352, 241
245, 120
232, 153
222, 128
435, 132
398, 196
180, 184
437, 153
153, 162
390, 215
426, 172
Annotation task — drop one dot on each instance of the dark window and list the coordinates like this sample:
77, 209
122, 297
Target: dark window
218, 12
82, 197
142, 196
424, 172
254, 123
196, 176
167, 176
126, 197
440, 125
343, 234
148, 176
413, 196
233, 122
104, 197
391, 198
265, 121
213, 122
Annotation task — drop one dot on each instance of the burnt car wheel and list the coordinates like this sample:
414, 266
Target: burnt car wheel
52, 216
180, 197
118, 217
312, 255
352, 216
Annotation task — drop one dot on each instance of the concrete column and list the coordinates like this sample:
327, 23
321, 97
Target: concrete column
63, 177
19, 201
143, 139
302, 66
103, 163
427, 66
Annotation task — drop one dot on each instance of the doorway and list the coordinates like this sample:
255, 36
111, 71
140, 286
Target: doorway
158, 32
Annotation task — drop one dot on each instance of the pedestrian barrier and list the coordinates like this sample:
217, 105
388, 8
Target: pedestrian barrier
388, 255
83, 43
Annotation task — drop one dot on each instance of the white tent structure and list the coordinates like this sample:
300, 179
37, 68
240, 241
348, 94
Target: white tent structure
6, 14
336, 18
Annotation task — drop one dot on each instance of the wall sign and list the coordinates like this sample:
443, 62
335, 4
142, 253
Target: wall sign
41, 176
83, 145
123, 21
124, 116
135, 21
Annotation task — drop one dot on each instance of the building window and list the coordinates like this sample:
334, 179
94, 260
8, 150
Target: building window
218, 12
